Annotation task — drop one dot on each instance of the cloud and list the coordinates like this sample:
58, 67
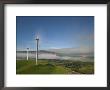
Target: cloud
54, 48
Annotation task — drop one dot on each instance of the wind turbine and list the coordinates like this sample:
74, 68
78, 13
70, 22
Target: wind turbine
37, 40
27, 53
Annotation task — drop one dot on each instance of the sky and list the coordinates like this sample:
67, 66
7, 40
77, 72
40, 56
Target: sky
54, 32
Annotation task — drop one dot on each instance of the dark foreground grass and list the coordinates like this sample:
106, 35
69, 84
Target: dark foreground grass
53, 67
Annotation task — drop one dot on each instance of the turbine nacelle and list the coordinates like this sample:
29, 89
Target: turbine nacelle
37, 38
27, 48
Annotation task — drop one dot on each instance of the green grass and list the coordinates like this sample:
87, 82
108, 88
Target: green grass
81, 67
43, 67
61, 70
87, 69
53, 67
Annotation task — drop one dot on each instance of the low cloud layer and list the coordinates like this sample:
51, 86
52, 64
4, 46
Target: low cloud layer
74, 50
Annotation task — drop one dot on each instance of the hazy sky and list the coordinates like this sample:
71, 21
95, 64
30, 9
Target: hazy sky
54, 32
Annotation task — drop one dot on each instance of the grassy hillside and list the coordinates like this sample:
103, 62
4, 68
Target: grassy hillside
54, 67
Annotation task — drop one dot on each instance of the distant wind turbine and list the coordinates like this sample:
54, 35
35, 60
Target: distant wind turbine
27, 53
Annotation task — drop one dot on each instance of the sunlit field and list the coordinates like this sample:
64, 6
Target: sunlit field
48, 66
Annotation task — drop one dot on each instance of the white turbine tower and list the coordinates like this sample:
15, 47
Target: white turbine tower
37, 39
27, 52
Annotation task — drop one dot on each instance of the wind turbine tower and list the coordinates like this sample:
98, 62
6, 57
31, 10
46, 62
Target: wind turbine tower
27, 52
37, 40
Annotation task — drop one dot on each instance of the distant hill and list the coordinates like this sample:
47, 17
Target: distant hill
40, 51
82, 51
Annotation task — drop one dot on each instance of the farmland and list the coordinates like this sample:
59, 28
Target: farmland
54, 66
